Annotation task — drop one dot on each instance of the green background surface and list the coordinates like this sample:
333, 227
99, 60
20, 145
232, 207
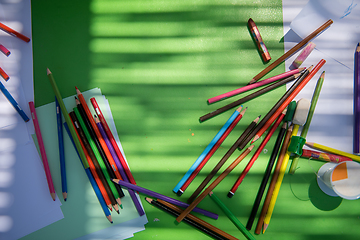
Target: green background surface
158, 62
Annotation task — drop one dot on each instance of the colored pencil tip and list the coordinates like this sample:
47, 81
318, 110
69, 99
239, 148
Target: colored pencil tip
76, 88
48, 71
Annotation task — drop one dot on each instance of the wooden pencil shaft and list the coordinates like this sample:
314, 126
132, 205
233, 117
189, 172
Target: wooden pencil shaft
214, 184
99, 147
292, 50
274, 108
187, 219
247, 98
266, 177
221, 162
92, 157
196, 219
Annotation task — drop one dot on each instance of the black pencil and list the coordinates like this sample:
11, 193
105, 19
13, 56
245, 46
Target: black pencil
266, 176
223, 159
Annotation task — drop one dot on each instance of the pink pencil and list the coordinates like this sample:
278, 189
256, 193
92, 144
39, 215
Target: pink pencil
257, 153
42, 150
254, 85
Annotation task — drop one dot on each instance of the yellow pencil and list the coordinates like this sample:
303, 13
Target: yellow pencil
278, 183
332, 150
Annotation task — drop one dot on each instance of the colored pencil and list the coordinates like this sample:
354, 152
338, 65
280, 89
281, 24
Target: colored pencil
306, 126
266, 176
4, 50
291, 51
112, 140
92, 180
61, 149
255, 33
4, 75
266, 203
109, 162
134, 198
223, 159
356, 140
278, 182
67, 118
94, 166
42, 151
254, 85
163, 197
13, 102
231, 216
191, 219
290, 98
256, 154
206, 150
248, 97
275, 107
13, 32
214, 184
212, 151
328, 157
333, 151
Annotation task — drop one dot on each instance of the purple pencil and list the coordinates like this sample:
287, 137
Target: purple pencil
357, 100
163, 197
254, 85
137, 204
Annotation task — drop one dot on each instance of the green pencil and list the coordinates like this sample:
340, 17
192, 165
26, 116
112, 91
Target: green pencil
231, 216
306, 126
67, 119
97, 154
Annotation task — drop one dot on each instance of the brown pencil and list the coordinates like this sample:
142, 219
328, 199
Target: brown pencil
275, 107
291, 51
214, 184
273, 179
223, 159
249, 97
197, 220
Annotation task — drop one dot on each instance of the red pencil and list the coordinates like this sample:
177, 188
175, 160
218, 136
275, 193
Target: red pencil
257, 153
14, 33
113, 141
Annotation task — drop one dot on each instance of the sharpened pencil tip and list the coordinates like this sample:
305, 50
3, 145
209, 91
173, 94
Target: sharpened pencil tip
48, 71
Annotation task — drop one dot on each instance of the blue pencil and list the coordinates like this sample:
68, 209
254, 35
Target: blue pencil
61, 149
205, 152
92, 180
13, 102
